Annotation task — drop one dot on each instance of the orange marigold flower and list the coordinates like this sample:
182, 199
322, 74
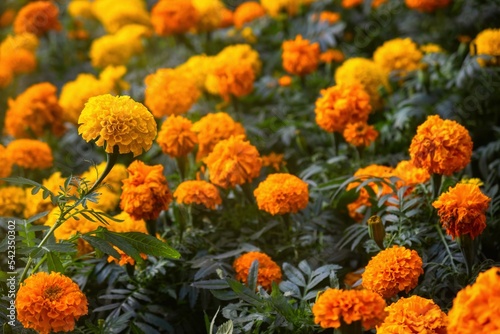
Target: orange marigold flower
198, 192
34, 111
282, 193
7, 17
176, 137
354, 278
6, 75
300, 57
6, 165
247, 12
334, 306
213, 128
475, 308
234, 80
268, 271
360, 134
411, 175
210, 14
117, 121
378, 3
351, 3
462, 210
329, 17
427, 5
441, 146
227, 18
487, 42
400, 55
414, 315
37, 17
393, 270
197, 68
233, 161
274, 160
285, 81
330, 56
340, 105
50, 303
30, 154
171, 17
124, 258
145, 192
12, 201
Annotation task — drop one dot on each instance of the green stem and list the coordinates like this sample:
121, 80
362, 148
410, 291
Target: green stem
468, 249
303, 82
353, 328
181, 165
436, 185
111, 161
443, 240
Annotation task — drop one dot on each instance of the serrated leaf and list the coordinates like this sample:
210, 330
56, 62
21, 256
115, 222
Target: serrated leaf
294, 275
54, 263
287, 286
122, 243
226, 328
147, 244
101, 245
37, 216
304, 266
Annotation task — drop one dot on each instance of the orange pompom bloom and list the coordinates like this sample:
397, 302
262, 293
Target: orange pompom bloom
414, 315
37, 17
282, 193
247, 12
441, 146
360, 134
34, 111
268, 271
329, 17
330, 56
234, 80
462, 210
334, 306
285, 81
410, 174
300, 57
400, 55
340, 105
50, 303
233, 161
198, 192
393, 270
6, 165
427, 5
176, 137
145, 192
351, 3
30, 154
274, 160
475, 308
170, 17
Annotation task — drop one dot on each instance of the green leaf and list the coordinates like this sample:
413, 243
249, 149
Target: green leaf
253, 275
54, 263
101, 245
294, 275
122, 243
148, 244
37, 216
226, 328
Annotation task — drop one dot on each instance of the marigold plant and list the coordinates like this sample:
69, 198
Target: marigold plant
30, 154
331, 56
6, 165
351, 3
210, 14
197, 68
487, 42
300, 56
38, 18
410, 175
360, 134
125, 222
171, 17
198, 192
399, 55
274, 160
247, 12
231, 80
329, 17
12, 201
17, 53
427, 5
268, 271
124, 258
176, 137
116, 15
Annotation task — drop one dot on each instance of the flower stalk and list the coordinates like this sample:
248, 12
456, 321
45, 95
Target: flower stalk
468, 249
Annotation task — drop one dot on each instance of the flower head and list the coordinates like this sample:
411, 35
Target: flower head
30, 154
487, 42
80, 9
198, 192
334, 306
197, 68
126, 223
360, 134
410, 174
50, 303
329, 17
117, 121
393, 270
300, 56
37, 18
115, 15
176, 137
427, 5
274, 160
124, 258
6, 165
285, 81
400, 55
331, 56
210, 14
171, 17
12, 201
441, 146
351, 3
268, 271
232, 80
17, 53
247, 12
6, 75
282, 193
431, 48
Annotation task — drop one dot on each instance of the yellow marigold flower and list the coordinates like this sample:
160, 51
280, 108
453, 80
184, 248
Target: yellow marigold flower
300, 56
427, 5
334, 306
400, 55
6, 75
474, 180
393, 270
239, 54
176, 137
233, 80
25, 41
18, 53
475, 308
285, 81
198, 192
30, 154
487, 42
268, 271
12, 201
170, 92
6, 165
170, 17
126, 224
248, 35
247, 12
80, 8
414, 315
360, 134
197, 68
37, 18
34, 111
441, 146
145, 192
365, 72
213, 128
274, 160
282, 193
116, 15
410, 174
7, 17
291, 7
462, 210
431, 48
210, 14
351, 3
340, 105
233, 162
331, 56
117, 121
124, 258
50, 303
329, 17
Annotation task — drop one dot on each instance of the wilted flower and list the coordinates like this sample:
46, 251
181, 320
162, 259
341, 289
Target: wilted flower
400, 55
427, 5
268, 271
360, 134
300, 57
176, 137
37, 17
198, 192
30, 154
171, 17
247, 12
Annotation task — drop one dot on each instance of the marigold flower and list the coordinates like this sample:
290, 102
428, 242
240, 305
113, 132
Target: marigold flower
400, 55
431, 48
6, 165
414, 315
239, 54
80, 9
124, 258
34, 111
30, 154
127, 223
268, 271
213, 128
171, 17
6, 75
247, 12
274, 160
145, 192
441, 146
176, 137
474, 180
198, 192
329, 17
275, 7
331, 56
210, 14
340, 105
232, 80
300, 57
352, 278
72, 227
365, 72
282, 193
50, 303
334, 306
116, 15
351, 3
37, 18
17, 53
360, 134
393, 270
117, 121
197, 69
475, 308
487, 42
285, 81
232, 162
12, 201
378, 3
427, 5
7, 17
411, 175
